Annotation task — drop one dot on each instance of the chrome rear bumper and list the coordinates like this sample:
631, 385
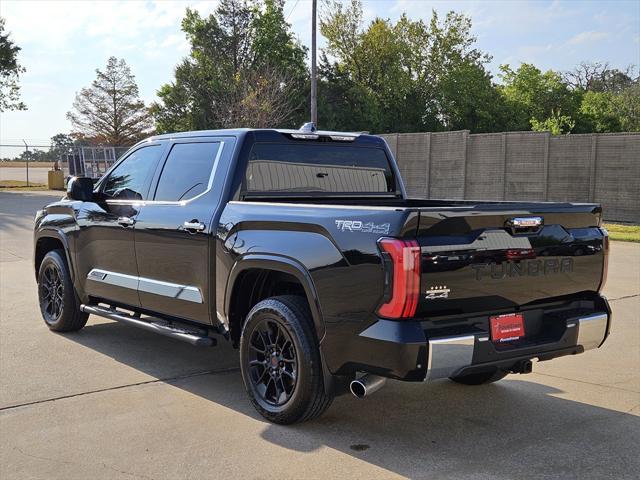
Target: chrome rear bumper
448, 355
591, 330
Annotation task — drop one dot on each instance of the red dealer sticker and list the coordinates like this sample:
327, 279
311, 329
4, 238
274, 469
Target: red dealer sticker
505, 328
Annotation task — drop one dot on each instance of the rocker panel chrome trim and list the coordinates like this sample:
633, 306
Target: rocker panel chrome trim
147, 285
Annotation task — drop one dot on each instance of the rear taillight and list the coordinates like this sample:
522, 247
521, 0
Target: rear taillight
404, 262
520, 253
605, 261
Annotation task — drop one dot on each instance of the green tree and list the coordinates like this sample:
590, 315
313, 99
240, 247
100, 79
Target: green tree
556, 124
372, 64
537, 98
609, 97
36, 155
628, 107
611, 112
10, 71
599, 77
110, 110
245, 69
61, 145
599, 111
467, 99
344, 104
413, 75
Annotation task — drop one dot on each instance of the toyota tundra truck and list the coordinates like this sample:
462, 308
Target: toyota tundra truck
302, 249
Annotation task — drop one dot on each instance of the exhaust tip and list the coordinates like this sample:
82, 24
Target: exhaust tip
358, 389
366, 385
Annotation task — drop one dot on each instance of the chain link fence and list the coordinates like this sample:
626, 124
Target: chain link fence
30, 164
25, 165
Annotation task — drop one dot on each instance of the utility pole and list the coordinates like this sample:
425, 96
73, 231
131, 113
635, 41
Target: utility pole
314, 78
26, 149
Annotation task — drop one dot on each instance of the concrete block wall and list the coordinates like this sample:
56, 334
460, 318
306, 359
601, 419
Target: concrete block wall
601, 168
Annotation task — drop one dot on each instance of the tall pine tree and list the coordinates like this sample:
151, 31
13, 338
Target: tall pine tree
110, 110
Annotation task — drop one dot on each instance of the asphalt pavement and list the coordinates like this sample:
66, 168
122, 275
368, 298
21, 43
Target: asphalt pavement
112, 401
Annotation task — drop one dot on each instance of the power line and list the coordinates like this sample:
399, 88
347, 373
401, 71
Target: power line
29, 139
22, 145
291, 11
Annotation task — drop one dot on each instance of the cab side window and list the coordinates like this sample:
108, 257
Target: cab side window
187, 171
127, 180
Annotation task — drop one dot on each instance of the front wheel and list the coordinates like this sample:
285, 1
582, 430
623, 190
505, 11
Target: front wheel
59, 304
481, 378
280, 361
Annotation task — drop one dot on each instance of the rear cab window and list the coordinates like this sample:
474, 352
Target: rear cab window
312, 169
187, 172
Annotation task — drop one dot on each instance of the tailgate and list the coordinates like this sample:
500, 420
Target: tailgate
502, 256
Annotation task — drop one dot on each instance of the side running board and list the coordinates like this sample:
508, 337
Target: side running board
193, 335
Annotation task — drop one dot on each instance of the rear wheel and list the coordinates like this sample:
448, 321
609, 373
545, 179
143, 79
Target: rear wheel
59, 304
280, 361
481, 378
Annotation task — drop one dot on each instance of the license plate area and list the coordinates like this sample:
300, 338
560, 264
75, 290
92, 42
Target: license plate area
507, 328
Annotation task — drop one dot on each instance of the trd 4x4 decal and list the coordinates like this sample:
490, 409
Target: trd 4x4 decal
363, 227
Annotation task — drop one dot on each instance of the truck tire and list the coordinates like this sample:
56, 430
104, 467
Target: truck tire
481, 378
59, 303
280, 361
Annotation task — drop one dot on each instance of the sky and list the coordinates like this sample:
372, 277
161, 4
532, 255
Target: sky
63, 42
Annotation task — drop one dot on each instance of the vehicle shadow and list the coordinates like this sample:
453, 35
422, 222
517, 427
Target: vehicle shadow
513, 429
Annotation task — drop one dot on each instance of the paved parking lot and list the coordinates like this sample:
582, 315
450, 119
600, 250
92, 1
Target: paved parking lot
36, 174
112, 401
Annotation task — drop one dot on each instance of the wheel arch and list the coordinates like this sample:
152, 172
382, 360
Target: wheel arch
46, 241
248, 269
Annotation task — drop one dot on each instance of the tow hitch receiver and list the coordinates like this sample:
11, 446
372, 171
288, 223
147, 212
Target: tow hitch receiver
523, 366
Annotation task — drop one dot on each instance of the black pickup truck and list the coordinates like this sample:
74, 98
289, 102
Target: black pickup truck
302, 249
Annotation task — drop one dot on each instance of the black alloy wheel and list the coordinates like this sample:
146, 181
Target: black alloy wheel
280, 361
59, 302
272, 362
51, 289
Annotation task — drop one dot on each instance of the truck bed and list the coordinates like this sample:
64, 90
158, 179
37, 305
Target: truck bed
472, 260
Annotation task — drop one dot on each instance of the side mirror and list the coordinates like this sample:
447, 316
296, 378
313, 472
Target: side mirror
80, 188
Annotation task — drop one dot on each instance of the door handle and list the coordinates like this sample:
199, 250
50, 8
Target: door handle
194, 226
126, 221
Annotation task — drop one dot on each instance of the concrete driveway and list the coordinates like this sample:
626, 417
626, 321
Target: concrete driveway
112, 401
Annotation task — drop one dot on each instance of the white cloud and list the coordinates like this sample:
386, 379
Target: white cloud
178, 40
56, 24
63, 42
587, 37
49, 24
533, 50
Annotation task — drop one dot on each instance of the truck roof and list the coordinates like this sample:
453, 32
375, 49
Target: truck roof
241, 131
